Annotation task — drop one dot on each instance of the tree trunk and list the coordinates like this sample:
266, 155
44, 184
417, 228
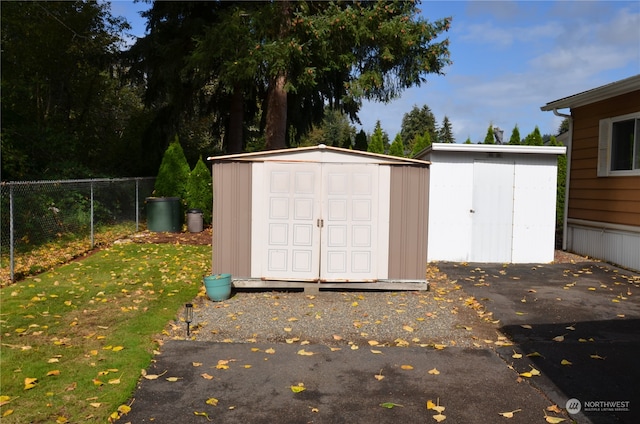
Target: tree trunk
276, 125
236, 119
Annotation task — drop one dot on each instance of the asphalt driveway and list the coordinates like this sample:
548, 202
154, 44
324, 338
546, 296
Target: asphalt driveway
575, 323
580, 322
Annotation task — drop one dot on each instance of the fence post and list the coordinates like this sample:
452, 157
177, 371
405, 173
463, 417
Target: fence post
11, 234
92, 240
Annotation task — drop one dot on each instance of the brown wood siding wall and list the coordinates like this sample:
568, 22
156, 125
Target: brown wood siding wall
232, 219
603, 199
408, 226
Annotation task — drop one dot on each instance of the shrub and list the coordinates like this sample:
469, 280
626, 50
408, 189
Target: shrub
199, 190
173, 173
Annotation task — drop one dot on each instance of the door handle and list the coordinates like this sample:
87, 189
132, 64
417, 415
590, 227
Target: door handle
320, 223
472, 211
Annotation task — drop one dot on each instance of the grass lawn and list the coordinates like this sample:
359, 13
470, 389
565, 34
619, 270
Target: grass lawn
74, 339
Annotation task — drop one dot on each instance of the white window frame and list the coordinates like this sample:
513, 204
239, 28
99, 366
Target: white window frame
604, 147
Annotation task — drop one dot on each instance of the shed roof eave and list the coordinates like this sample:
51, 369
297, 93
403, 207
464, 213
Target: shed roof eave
493, 148
262, 155
597, 94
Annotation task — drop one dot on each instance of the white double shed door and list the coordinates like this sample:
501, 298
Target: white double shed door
320, 221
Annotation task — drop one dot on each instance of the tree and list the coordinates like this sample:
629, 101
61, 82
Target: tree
564, 126
334, 130
62, 104
397, 147
489, 138
534, 138
420, 143
361, 141
515, 136
445, 134
199, 193
416, 122
173, 174
376, 145
468, 140
289, 58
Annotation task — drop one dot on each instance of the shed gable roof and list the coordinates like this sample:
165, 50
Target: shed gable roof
597, 94
318, 154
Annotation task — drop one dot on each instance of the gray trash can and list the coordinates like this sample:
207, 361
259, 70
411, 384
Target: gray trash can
194, 220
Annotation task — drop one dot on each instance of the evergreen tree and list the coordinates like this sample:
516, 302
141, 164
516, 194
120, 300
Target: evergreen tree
490, 137
199, 193
446, 132
421, 143
564, 126
173, 173
361, 141
515, 136
468, 140
397, 147
416, 122
535, 138
377, 140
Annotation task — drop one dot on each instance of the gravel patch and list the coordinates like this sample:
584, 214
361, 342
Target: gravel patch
442, 316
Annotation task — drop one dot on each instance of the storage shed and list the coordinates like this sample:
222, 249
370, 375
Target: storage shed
492, 203
320, 214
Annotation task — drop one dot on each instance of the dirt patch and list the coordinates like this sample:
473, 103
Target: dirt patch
202, 238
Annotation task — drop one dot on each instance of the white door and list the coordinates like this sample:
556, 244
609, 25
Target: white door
291, 236
320, 222
350, 212
492, 211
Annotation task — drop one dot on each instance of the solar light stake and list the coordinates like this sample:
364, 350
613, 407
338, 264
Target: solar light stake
188, 316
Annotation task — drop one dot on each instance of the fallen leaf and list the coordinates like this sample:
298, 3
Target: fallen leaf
336, 337
379, 376
390, 405
212, 401
439, 346
407, 328
433, 371
298, 388
527, 326
376, 351
196, 364
95, 404
124, 409
565, 362
4, 399
30, 383
406, 367
373, 343
516, 355
202, 414
439, 417
7, 412
509, 414
534, 371
117, 348
534, 354
553, 420
53, 372
558, 338
62, 420
554, 408
173, 379
304, 353
207, 376
270, 351
596, 357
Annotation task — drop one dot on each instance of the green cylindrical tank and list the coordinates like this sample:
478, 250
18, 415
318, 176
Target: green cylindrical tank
164, 214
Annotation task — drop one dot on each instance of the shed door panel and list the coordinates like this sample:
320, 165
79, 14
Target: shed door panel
292, 236
492, 211
350, 206
320, 222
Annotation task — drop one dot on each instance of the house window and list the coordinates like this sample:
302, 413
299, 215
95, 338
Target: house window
619, 146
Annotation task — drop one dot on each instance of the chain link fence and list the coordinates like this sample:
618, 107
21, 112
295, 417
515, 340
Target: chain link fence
34, 213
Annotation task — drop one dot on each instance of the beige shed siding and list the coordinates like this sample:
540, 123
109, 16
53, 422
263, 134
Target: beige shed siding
603, 199
409, 205
232, 219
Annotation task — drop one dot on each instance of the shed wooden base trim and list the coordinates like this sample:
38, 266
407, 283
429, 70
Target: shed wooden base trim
309, 287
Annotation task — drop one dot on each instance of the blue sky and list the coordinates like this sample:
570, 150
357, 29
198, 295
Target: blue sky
509, 58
